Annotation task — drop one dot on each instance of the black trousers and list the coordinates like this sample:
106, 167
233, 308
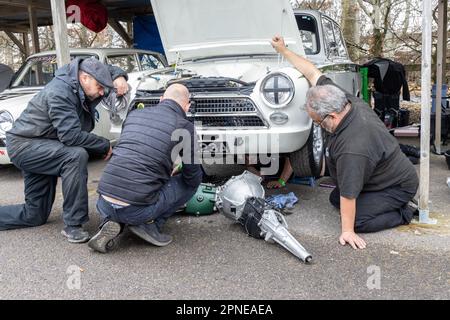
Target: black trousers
42, 161
380, 210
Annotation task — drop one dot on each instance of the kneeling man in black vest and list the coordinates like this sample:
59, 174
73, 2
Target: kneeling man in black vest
137, 187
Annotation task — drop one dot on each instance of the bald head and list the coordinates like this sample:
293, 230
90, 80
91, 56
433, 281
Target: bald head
179, 93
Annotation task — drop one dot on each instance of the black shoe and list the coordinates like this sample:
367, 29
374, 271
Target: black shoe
104, 240
75, 234
414, 160
150, 233
410, 150
414, 206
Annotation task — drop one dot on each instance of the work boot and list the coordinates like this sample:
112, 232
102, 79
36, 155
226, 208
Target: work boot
150, 233
104, 240
75, 234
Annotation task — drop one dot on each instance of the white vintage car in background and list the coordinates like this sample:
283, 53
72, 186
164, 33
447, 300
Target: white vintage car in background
39, 69
246, 101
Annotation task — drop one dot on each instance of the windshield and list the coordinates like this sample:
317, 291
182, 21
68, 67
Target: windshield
39, 71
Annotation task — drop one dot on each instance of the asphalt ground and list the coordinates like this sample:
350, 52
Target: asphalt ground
212, 258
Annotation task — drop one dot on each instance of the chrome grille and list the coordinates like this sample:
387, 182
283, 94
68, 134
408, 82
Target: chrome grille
224, 121
222, 105
211, 112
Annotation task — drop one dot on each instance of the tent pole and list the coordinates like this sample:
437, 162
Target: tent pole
440, 75
424, 185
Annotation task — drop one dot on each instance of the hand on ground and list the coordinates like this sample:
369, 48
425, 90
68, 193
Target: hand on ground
352, 239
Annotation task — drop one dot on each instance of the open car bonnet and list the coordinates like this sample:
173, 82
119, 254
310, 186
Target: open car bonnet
192, 29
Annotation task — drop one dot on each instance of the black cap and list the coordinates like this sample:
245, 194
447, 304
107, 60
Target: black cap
98, 71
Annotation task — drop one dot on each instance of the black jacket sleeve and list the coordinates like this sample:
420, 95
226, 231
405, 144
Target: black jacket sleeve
65, 120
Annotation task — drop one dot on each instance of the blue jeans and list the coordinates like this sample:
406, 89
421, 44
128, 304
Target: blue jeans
174, 194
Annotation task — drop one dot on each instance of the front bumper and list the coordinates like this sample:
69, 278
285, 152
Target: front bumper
252, 141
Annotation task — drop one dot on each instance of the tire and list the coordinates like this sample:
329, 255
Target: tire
308, 161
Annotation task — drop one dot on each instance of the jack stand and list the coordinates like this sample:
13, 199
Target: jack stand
308, 181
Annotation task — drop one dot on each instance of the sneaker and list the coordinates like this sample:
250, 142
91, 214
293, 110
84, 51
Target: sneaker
103, 241
150, 233
75, 234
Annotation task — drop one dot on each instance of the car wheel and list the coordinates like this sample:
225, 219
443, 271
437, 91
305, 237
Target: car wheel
308, 161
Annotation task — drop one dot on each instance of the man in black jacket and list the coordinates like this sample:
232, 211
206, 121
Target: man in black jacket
138, 187
52, 139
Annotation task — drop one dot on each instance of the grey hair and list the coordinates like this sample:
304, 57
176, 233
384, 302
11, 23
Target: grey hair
326, 99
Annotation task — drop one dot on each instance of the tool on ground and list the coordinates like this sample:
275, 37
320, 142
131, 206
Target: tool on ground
307, 181
241, 199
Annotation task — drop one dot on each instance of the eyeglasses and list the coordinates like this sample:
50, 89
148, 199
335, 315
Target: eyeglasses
319, 123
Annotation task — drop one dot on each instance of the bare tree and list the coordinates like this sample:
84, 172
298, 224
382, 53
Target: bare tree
322, 5
378, 12
350, 29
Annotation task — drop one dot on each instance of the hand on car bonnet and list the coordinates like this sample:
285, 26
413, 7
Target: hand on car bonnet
278, 43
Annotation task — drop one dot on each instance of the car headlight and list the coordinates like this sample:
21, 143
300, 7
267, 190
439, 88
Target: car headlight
277, 90
6, 122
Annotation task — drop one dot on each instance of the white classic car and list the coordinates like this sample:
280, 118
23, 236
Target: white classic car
39, 69
246, 101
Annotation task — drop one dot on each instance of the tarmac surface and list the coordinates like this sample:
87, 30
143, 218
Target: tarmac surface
212, 258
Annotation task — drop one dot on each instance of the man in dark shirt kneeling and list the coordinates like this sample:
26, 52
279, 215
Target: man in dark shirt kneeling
137, 187
375, 181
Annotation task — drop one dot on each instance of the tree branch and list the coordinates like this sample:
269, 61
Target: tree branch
364, 8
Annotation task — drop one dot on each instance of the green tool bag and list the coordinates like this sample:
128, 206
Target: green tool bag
203, 202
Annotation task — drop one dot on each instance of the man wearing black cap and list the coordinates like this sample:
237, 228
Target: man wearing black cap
52, 139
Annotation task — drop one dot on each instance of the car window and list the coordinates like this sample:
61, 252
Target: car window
149, 62
330, 43
39, 71
308, 30
342, 51
126, 62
